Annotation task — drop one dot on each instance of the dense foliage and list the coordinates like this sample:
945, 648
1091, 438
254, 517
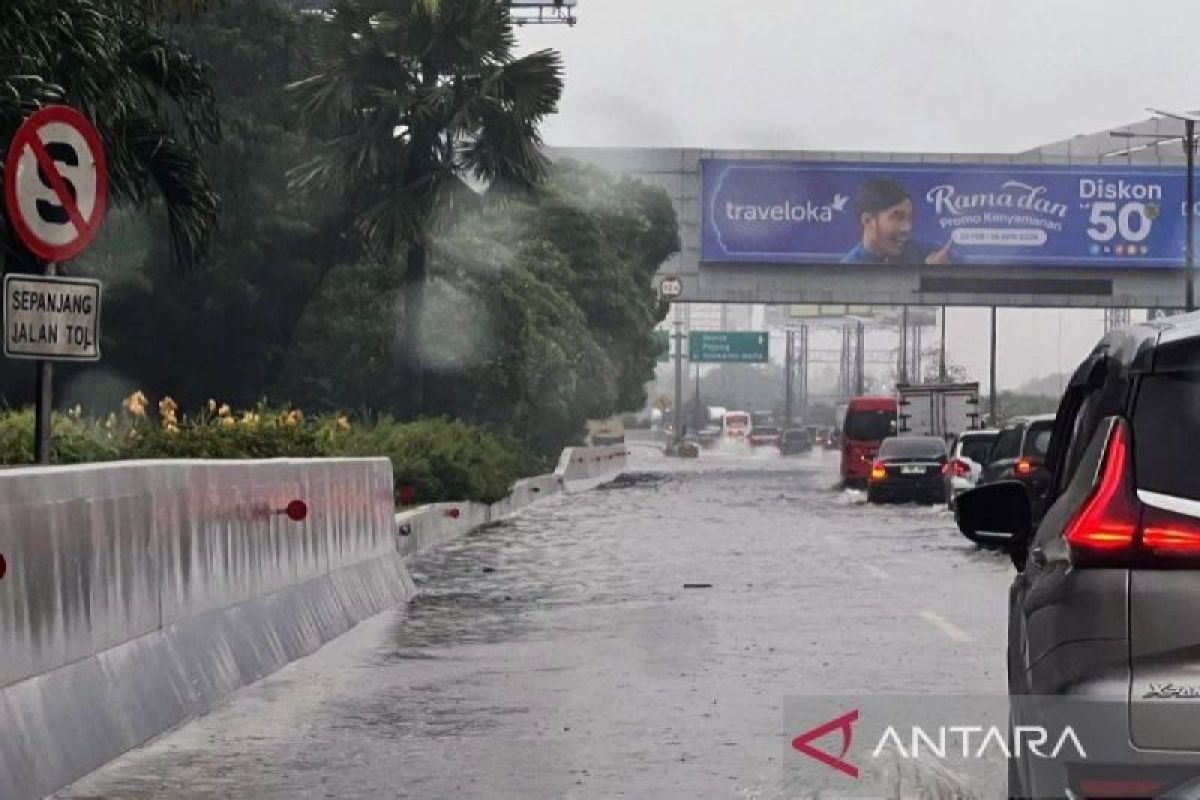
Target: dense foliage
440, 459
539, 299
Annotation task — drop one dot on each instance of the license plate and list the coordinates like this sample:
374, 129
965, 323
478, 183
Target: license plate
912, 470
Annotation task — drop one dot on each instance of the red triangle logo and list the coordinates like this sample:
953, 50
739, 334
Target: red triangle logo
844, 723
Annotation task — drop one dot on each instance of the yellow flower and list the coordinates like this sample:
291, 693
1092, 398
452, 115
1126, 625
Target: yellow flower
343, 423
294, 418
76, 412
249, 419
225, 410
172, 428
135, 404
228, 422
212, 405
110, 422
166, 410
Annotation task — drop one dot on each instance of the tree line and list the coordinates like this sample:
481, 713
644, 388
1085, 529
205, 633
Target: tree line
343, 211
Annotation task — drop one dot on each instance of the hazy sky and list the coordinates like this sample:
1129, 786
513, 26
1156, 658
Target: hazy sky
934, 75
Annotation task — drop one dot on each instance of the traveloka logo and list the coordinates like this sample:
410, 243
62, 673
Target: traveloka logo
787, 211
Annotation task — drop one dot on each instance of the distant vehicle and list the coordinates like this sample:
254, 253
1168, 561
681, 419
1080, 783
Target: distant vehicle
762, 435
1019, 453
968, 454
735, 425
708, 436
908, 468
605, 431
795, 441
937, 409
869, 420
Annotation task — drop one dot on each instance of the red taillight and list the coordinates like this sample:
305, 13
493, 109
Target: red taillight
1168, 534
1092, 787
1024, 468
878, 472
1108, 520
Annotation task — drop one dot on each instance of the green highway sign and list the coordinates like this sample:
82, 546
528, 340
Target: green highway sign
748, 347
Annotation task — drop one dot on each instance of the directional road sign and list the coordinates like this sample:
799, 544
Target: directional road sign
725, 346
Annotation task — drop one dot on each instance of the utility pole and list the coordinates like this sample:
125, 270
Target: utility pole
992, 374
902, 371
943, 377
677, 412
860, 360
788, 370
804, 370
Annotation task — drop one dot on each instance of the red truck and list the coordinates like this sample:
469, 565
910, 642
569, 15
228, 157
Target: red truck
868, 421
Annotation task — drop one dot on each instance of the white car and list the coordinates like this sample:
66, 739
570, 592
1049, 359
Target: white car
968, 456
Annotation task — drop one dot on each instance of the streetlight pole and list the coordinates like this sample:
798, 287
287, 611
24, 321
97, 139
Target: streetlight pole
1189, 146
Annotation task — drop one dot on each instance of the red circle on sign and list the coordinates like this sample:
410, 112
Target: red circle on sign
27, 137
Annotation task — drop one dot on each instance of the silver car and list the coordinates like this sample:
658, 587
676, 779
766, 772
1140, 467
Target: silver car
1104, 611
968, 455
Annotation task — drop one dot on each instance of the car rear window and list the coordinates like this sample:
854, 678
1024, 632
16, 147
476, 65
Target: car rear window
870, 426
1037, 440
976, 448
913, 447
1008, 444
1166, 424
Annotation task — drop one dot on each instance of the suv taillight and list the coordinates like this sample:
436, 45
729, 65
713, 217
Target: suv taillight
1113, 526
878, 471
1108, 520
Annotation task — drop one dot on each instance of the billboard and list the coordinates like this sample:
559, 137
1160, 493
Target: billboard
780, 212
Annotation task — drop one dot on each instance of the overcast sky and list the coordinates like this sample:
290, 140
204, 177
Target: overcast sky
926, 75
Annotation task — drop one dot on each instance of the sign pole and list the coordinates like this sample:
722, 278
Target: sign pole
677, 414
43, 423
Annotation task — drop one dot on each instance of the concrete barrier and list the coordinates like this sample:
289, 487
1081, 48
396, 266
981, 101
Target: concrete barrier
138, 595
590, 463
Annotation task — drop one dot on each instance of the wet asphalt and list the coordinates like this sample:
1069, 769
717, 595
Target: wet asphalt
637, 640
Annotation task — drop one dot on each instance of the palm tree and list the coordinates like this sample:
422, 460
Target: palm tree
149, 99
412, 97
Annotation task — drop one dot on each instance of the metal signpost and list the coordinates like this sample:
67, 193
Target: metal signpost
745, 347
55, 191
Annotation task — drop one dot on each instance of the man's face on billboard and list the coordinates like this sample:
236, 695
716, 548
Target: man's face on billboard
886, 232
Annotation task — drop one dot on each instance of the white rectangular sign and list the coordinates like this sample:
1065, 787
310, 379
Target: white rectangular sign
51, 318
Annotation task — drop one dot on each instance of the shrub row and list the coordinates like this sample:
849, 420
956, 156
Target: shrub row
440, 459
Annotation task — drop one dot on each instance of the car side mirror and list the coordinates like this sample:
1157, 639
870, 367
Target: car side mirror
996, 515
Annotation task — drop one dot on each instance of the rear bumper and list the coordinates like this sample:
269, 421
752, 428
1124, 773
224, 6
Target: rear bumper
908, 489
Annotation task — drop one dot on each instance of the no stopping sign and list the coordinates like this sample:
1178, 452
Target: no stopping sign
55, 183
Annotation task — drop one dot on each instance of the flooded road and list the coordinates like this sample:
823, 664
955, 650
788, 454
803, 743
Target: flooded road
631, 641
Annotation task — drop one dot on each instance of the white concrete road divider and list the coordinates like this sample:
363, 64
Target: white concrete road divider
135, 596
138, 595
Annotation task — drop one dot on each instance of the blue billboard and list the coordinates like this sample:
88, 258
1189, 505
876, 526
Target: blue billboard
781, 212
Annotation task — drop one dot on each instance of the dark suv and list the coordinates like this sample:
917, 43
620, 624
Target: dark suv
1105, 609
1019, 453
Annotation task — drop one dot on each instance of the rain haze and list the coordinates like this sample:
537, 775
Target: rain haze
859, 75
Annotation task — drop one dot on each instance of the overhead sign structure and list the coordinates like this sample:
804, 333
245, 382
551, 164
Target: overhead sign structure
747, 347
780, 212
52, 319
56, 183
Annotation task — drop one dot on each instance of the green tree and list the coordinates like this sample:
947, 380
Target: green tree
150, 100
410, 98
